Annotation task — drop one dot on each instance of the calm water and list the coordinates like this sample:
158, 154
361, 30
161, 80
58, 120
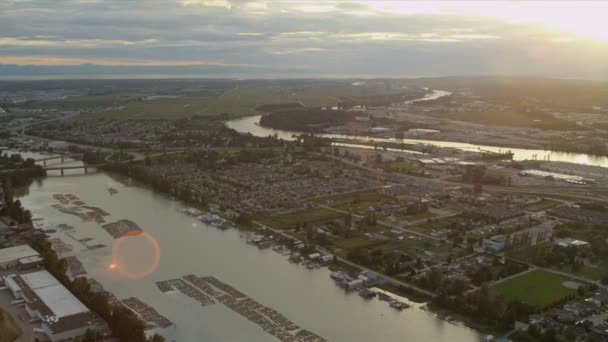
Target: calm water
309, 298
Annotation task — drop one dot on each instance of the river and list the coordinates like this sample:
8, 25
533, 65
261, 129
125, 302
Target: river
251, 125
307, 297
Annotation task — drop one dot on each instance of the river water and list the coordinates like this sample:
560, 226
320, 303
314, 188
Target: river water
307, 297
251, 125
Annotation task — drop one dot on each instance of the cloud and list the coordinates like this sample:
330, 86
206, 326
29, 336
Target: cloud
63, 60
294, 51
207, 3
39, 41
357, 37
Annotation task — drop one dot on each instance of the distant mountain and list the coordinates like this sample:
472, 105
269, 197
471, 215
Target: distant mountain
94, 69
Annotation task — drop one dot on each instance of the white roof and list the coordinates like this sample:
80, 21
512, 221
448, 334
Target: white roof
61, 301
38, 280
16, 253
31, 259
54, 295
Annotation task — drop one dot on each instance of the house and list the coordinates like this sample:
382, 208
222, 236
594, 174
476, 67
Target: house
569, 242
495, 243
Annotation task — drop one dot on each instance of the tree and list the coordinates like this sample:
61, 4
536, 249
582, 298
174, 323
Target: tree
126, 326
9, 192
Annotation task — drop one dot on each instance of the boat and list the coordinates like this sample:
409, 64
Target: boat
398, 305
338, 276
367, 293
384, 297
295, 258
112, 191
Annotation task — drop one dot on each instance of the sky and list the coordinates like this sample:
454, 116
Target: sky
332, 38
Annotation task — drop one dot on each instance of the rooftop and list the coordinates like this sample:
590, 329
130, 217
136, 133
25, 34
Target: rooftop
16, 252
59, 308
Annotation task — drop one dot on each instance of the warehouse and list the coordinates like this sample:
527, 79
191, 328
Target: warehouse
10, 257
61, 315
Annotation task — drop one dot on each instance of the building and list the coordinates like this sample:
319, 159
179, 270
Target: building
22, 256
495, 243
569, 242
61, 315
422, 131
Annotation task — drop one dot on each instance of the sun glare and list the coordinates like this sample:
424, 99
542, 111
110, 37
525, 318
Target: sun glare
585, 19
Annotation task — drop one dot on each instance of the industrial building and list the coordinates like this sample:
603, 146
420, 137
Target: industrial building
22, 257
61, 315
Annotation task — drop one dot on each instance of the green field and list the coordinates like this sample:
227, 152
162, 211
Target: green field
402, 166
544, 204
238, 101
537, 288
596, 272
464, 220
355, 201
308, 216
85, 102
358, 242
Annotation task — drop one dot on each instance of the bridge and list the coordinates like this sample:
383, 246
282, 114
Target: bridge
61, 156
86, 168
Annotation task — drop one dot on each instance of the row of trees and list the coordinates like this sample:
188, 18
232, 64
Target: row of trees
387, 262
158, 183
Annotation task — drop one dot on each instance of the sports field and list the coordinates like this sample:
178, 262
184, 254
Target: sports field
537, 288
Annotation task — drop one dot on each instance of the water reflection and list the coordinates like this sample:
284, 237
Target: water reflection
251, 125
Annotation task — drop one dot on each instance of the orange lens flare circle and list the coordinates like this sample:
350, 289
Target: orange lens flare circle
118, 245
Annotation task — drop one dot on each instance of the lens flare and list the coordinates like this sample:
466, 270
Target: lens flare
119, 245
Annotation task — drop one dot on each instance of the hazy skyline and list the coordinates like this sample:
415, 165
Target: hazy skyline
249, 38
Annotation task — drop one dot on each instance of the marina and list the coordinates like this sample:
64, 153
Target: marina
147, 313
267, 318
122, 228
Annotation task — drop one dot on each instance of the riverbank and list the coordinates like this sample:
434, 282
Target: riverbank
308, 297
250, 125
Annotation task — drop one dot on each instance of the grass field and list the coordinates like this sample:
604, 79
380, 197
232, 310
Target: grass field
242, 99
357, 242
85, 102
544, 204
465, 219
308, 216
8, 331
537, 288
596, 272
402, 166
356, 201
